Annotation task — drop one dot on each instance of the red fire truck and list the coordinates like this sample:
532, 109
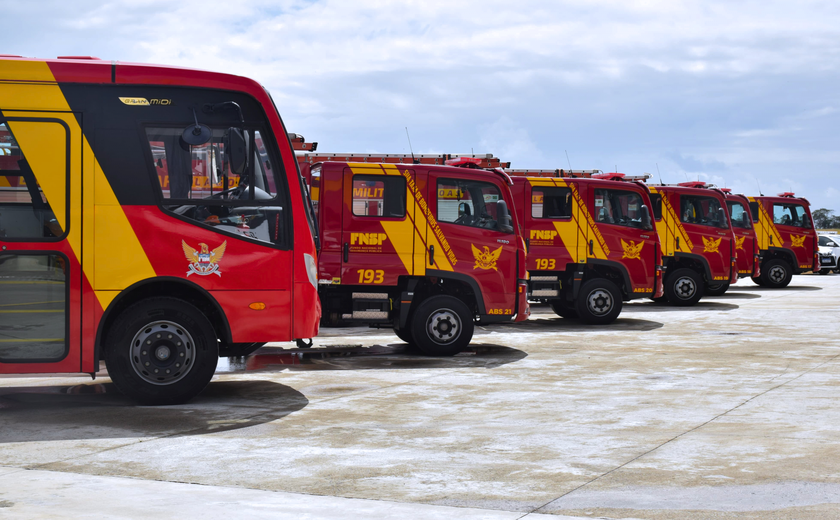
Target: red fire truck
697, 239
424, 249
151, 217
786, 237
747, 253
591, 241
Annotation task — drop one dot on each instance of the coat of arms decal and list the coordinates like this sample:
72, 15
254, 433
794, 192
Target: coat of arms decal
204, 262
739, 242
710, 245
486, 259
632, 250
797, 241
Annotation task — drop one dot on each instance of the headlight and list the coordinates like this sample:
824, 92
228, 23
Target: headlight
311, 269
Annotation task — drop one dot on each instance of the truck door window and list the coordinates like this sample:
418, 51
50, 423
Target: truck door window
197, 184
621, 207
468, 203
738, 214
29, 184
704, 211
791, 215
378, 196
550, 202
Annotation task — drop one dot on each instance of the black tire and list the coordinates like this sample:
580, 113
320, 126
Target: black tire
716, 289
825, 271
442, 326
598, 302
776, 273
757, 280
564, 309
404, 334
182, 347
683, 287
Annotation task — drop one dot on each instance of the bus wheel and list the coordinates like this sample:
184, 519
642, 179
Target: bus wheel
683, 287
598, 302
717, 289
161, 351
442, 326
776, 273
564, 309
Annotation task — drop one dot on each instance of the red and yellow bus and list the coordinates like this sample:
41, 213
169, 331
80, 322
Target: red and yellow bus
151, 217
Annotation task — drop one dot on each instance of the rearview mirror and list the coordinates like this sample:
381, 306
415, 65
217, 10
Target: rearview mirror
646, 218
235, 143
504, 217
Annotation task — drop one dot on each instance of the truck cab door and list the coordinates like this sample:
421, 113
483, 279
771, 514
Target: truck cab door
40, 242
466, 239
620, 232
745, 237
377, 232
552, 224
704, 218
796, 230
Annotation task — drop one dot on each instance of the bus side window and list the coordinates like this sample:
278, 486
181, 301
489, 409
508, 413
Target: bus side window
26, 190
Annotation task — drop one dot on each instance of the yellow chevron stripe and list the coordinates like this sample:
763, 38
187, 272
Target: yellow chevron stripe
670, 227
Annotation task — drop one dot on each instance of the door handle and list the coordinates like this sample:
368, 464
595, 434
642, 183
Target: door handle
591, 248
431, 255
678, 242
644, 236
346, 252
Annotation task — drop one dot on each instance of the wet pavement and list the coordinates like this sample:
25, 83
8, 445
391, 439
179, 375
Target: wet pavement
725, 410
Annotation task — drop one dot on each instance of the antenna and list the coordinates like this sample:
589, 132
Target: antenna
660, 174
686, 176
567, 160
413, 160
759, 188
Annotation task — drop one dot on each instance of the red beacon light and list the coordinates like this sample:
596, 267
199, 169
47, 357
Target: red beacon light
726, 190
693, 184
788, 194
609, 176
464, 162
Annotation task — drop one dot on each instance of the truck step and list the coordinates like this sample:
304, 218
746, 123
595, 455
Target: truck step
369, 296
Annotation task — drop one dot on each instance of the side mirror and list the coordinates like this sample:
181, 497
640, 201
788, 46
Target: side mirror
463, 209
646, 224
722, 222
504, 217
235, 142
745, 219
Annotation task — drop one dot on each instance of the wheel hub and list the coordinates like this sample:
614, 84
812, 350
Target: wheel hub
444, 326
777, 274
685, 288
600, 302
162, 352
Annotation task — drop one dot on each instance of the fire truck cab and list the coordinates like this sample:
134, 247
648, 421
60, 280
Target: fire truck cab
425, 249
698, 243
151, 217
591, 243
747, 253
787, 238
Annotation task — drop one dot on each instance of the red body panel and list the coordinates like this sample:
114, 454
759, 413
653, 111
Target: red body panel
746, 242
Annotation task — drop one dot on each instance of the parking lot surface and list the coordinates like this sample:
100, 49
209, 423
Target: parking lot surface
729, 409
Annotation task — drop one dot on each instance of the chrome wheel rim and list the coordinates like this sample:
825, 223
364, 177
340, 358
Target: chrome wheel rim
685, 288
599, 302
443, 326
162, 353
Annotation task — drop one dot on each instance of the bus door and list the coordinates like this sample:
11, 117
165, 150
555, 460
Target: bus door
40, 242
377, 226
465, 237
619, 225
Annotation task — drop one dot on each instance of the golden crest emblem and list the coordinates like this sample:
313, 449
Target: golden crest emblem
486, 259
632, 250
797, 241
710, 245
204, 262
739, 243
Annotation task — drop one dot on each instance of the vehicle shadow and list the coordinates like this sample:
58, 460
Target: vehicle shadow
549, 322
732, 294
100, 411
758, 288
376, 357
664, 307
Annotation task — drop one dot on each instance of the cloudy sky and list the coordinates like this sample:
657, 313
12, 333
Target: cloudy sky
740, 94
